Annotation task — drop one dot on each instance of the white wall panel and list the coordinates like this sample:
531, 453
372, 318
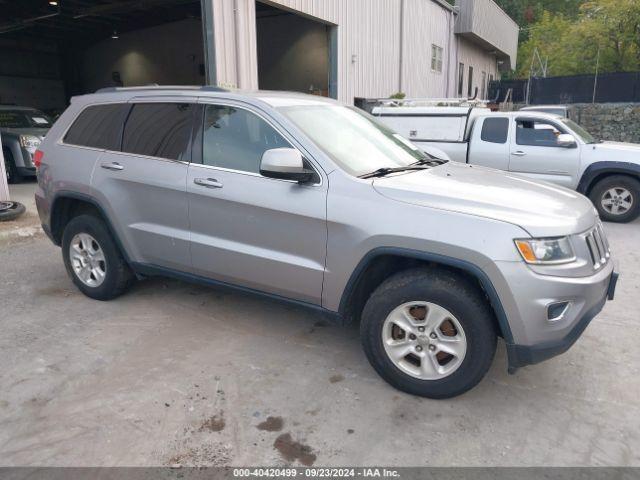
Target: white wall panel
369, 44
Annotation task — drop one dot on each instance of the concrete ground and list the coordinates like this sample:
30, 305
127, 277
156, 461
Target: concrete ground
174, 373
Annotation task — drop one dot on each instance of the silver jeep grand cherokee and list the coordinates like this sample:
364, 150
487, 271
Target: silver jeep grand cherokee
305, 200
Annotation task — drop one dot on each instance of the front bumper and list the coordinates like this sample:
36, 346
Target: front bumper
536, 338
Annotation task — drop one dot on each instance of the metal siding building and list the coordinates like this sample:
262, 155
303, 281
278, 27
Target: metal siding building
377, 47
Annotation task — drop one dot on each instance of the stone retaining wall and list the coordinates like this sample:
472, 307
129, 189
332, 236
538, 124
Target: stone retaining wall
618, 122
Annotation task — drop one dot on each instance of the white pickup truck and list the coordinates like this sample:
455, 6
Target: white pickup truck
538, 145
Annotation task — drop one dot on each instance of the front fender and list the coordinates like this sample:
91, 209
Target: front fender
598, 169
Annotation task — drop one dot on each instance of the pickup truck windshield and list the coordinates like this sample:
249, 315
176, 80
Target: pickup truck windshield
23, 119
353, 139
578, 130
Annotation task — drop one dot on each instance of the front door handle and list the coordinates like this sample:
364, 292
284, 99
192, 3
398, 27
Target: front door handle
207, 182
112, 166
519, 153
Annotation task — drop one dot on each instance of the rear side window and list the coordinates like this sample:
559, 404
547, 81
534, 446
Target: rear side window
495, 130
159, 130
98, 126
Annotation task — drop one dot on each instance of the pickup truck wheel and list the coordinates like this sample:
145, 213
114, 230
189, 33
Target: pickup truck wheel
429, 333
617, 198
93, 260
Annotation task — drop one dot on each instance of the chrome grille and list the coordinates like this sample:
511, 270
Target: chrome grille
598, 246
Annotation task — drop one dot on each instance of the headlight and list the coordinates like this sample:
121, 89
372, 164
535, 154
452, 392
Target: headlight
545, 250
30, 142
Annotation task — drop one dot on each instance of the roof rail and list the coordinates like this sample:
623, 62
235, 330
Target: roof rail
430, 102
155, 86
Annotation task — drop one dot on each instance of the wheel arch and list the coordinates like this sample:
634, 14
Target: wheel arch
380, 263
67, 205
600, 170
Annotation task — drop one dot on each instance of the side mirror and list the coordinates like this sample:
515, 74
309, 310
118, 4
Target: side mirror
566, 140
285, 164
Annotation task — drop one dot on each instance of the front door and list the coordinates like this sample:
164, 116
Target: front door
248, 230
536, 154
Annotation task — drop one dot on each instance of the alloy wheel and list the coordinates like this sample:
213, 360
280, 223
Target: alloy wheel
87, 260
617, 200
424, 340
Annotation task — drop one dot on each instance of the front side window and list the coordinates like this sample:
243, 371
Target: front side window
160, 130
236, 139
495, 130
352, 138
436, 58
537, 133
98, 126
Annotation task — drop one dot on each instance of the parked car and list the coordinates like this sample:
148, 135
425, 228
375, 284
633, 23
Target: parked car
540, 146
304, 200
560, 110
22, 130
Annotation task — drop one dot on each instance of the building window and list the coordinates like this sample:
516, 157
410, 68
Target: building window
484, 85
470, 83
436, 58
460, 79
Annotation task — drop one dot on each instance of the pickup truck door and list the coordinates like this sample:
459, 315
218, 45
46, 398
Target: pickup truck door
489, 142
248, 230
536, 154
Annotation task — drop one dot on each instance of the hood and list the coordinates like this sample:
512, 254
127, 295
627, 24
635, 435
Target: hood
628, 151
38, 132
542, 209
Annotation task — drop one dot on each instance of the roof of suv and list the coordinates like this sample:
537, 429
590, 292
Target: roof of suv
271, 97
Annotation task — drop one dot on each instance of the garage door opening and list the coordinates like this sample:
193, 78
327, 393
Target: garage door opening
295, 53
52, 50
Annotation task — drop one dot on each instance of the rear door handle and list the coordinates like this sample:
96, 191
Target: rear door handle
112, 166
207, 182
519, 153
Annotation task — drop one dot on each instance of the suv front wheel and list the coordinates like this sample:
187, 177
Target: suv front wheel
93, 260
429, 333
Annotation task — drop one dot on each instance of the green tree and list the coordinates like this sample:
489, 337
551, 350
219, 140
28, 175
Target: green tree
571, 45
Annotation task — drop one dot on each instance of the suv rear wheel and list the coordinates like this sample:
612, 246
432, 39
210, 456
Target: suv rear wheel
617, 198
93, 260
429, 333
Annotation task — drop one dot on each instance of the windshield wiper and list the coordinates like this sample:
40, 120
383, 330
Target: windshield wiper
381, 172
431, 162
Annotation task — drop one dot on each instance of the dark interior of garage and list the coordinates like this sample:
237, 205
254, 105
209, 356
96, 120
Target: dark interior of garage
294, 52
51, 50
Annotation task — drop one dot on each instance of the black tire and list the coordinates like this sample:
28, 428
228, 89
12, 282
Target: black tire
446, 289
601, 188
118, 276
10, 167
10, 210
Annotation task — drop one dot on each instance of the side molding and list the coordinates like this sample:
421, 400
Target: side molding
463, 265
599, 168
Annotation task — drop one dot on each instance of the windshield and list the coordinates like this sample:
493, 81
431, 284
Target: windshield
353, 139
578, 130
24, 119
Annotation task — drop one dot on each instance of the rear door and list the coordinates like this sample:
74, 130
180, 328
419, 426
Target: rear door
248, 230
535, 153
144, 185
489, 142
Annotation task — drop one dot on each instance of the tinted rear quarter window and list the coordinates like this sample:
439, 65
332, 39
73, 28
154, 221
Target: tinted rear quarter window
495, 130
98, 126
159, 130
